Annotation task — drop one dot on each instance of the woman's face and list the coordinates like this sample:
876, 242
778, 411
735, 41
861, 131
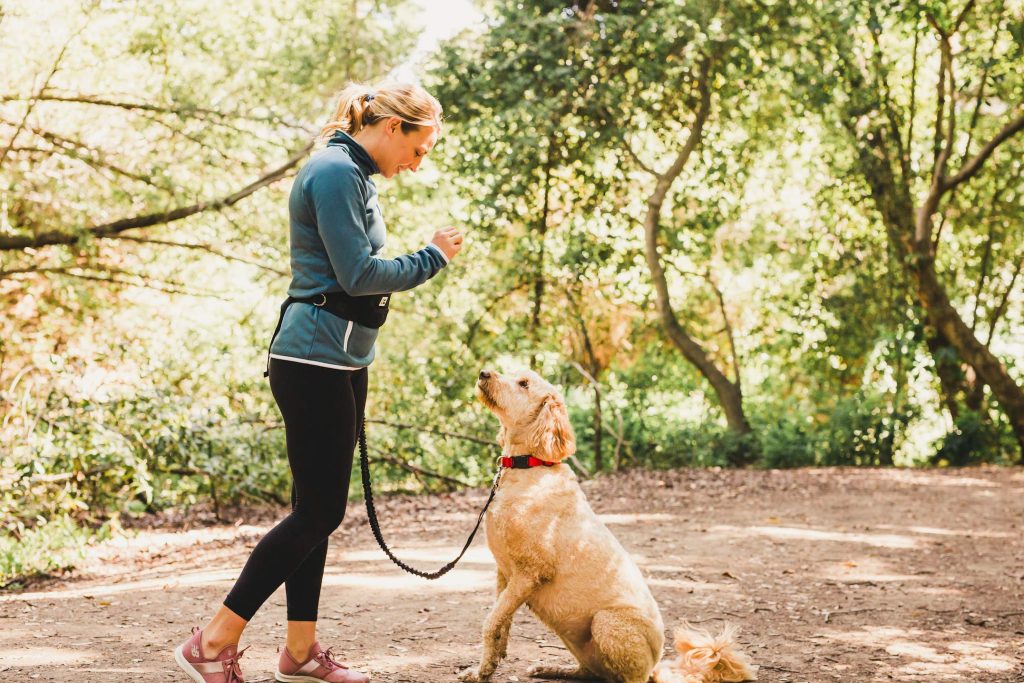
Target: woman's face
400, 151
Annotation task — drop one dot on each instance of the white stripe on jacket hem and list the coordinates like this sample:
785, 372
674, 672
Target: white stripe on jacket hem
313, 362
348, 333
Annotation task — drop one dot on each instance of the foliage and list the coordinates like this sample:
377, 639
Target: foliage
131, 358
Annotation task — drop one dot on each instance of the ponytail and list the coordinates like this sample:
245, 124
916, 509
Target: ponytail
360, 106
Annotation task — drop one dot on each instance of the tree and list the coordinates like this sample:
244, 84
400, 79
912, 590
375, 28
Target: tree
878, 87
179, 112
581, 82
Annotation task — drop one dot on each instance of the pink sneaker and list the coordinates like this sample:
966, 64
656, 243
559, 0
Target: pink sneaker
321, 666
221, 669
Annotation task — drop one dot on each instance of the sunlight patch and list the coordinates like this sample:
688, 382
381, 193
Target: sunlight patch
801, 534
456, 580
44, 656
635, 518
865, 569
933, 531
200, 578
438, 555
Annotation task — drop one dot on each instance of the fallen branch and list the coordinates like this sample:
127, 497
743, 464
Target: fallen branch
415, 469
427, 430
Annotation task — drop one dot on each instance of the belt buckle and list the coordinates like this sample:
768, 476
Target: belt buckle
323, 302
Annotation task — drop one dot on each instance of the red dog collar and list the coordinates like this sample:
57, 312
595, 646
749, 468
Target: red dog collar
519, 462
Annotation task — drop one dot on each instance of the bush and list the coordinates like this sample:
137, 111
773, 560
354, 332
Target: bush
786, 443
49, 547
972, 441
862, 430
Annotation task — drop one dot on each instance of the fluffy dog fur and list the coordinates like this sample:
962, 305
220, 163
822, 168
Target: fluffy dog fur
554, 555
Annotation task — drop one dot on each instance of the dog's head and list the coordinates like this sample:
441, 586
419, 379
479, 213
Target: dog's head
531, 411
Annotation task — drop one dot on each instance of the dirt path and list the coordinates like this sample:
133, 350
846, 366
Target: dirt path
834, 575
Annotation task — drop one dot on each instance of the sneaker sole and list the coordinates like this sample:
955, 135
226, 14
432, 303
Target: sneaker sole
285, 678
179, 657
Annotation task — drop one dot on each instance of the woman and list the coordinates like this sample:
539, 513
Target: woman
319, 354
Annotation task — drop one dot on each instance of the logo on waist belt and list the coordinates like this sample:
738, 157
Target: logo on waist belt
383, 302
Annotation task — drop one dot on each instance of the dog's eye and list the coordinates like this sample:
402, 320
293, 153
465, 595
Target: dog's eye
523, 383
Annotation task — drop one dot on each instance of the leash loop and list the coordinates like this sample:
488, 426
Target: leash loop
371, 513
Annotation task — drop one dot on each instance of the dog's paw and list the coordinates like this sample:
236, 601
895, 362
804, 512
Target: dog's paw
471, 675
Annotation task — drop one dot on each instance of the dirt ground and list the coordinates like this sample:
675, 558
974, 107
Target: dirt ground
833, 575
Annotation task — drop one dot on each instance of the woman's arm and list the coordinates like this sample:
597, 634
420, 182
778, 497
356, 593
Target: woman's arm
337, 194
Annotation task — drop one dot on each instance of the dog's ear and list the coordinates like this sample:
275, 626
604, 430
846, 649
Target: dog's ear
551, 434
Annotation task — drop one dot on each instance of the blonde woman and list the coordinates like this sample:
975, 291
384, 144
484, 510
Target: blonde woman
338, 299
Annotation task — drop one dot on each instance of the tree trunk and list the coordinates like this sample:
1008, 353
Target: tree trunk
898, 215
729, 394
989, 369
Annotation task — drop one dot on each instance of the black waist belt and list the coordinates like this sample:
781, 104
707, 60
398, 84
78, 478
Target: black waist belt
368, 311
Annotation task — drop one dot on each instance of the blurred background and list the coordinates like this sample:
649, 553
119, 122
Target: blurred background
761, 233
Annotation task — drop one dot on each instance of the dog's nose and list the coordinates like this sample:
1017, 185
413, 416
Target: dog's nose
484, 374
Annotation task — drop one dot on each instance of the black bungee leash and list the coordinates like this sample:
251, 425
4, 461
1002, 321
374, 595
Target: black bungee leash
371, 513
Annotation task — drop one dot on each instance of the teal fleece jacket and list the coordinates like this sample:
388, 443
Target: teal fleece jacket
337, 233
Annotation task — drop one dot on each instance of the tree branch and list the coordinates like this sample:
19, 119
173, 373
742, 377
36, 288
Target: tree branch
8, 243
202, 247
999, 310
415, 469
943, 147
636, 159
974, 165
198, 112
993, 207
963, 15
882, 77
42, 90
728, 329
473, 326
69, 148
454, 435
909, 145
145, 282
975, 115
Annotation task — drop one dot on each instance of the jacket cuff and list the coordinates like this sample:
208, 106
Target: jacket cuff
439, 251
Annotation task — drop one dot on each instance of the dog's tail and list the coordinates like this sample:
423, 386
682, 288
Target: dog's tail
704, 658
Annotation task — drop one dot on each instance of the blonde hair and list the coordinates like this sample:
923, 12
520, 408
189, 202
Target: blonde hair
360, 106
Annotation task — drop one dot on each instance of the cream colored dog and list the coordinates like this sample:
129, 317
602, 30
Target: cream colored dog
555, 555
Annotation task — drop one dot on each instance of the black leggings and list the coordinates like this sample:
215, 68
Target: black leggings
322, 408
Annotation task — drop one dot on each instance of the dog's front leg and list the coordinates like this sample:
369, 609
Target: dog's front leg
504, 629
497, 625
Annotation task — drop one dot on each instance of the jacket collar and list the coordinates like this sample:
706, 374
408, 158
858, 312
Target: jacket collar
359, 154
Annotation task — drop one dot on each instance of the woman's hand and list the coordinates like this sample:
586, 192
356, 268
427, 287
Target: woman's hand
448, 240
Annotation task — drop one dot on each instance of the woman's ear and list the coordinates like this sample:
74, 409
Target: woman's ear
551, 434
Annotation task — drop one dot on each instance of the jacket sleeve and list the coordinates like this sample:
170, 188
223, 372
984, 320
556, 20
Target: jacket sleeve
336, 193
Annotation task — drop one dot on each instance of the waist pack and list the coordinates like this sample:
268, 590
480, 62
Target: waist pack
369, 311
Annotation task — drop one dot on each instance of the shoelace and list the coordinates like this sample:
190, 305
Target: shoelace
326, 657
232, 671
